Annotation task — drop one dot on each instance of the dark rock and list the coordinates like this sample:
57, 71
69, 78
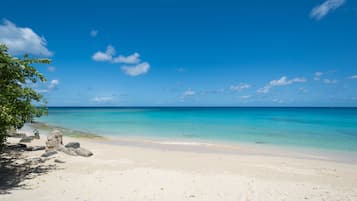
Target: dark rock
17, 135
74, 145
18, 146
83, 152
35, 148
49, 153
27, 139
59, 161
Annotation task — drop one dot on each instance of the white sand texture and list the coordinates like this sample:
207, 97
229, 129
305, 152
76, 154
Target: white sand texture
140, 173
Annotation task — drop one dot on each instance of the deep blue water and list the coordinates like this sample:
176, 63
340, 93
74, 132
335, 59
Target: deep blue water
327, 128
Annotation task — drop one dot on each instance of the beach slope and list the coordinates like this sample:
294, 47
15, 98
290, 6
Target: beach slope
124, 172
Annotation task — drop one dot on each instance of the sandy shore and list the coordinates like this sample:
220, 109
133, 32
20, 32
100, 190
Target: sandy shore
127, 171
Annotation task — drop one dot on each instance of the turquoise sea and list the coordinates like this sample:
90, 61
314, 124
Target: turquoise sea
325, 128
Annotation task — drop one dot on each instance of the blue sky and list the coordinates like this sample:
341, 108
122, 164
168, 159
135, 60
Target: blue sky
184, 53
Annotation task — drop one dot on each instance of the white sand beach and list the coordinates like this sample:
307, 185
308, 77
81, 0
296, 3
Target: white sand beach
135, 172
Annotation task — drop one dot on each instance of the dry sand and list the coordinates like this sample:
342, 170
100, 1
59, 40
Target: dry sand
129, 171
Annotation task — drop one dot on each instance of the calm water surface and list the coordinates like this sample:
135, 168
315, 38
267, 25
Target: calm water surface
326, 128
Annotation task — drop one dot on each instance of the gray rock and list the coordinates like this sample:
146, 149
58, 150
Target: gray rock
69, 151
59, 161
83, 152
49, 153
17, 135
36, 134
54, 141
35, 148
74, 145
27, 139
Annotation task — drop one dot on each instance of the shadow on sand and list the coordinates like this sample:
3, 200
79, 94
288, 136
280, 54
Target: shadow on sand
16, 168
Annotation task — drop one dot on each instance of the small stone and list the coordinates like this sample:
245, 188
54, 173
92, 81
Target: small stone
74, 145
36, 134
49, 153
35, 148
59, 161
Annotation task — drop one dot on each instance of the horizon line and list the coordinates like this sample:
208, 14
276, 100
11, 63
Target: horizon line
201, 106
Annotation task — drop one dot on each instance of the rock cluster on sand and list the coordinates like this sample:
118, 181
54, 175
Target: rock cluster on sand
55, 143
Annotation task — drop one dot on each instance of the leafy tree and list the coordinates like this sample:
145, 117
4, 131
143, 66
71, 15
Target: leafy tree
17, 99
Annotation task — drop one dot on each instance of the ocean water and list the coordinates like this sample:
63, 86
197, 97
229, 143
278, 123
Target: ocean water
324, 128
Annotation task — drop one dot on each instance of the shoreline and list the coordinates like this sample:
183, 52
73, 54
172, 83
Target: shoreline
210, 146
137, 172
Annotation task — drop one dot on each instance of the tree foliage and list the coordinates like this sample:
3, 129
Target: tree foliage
19, 103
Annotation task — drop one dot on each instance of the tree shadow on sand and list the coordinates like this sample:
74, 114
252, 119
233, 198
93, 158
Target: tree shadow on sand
16, 168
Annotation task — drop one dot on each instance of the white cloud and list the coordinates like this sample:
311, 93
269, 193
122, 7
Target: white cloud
277, 100
323, 9
131, 59
283, 81
103, 99
22, 40
318, 75
93, 33
353, 77
189, 92
51, 69
104, 56
53, 84
240, 87
245, 97
136, 70
327, 81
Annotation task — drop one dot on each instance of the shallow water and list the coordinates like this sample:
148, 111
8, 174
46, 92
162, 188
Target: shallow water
325, 128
